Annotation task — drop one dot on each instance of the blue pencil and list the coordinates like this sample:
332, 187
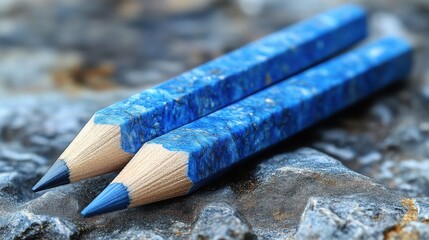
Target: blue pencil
115, 133
184, 159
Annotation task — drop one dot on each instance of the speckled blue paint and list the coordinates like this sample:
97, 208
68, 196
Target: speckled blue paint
233, 76
223, 138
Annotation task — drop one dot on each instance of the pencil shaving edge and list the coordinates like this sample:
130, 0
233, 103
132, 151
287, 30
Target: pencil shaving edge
164, 175
96, 150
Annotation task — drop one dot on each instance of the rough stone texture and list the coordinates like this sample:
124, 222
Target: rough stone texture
25, 225
350, 217
52, 80
220, 221
409, 176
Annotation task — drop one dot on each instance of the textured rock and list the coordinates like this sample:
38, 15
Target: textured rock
360, 217
38, 65
29, 125
25, 225
132, 234
220, 221
287, 182
353, 217
409, 176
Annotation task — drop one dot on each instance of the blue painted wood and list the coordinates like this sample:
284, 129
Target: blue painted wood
223, 138
233, 76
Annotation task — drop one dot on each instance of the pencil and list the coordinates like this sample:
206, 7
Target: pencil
184, 159
114, 134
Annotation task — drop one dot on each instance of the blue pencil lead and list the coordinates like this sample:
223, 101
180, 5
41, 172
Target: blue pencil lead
113, 198
57, 175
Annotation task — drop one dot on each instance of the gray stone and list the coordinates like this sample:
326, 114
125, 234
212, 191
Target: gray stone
288, 181
26, 225
425, 91
343, 153
382, 113
409, 176
12, 187
130, 234
357, 217
370, 158
220, 221
412, 230
38, 65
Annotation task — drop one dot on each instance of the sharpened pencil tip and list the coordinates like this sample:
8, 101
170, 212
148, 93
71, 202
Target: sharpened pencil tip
113, 198
57, 175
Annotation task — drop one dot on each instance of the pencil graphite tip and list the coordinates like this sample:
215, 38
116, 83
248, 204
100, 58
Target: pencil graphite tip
113, 198
57, 175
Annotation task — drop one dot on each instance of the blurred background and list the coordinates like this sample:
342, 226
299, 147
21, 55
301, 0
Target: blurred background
62, 60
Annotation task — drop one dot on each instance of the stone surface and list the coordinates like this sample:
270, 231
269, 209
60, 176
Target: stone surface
360, 217
25, 225
53, 79
220, 221
409, 176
